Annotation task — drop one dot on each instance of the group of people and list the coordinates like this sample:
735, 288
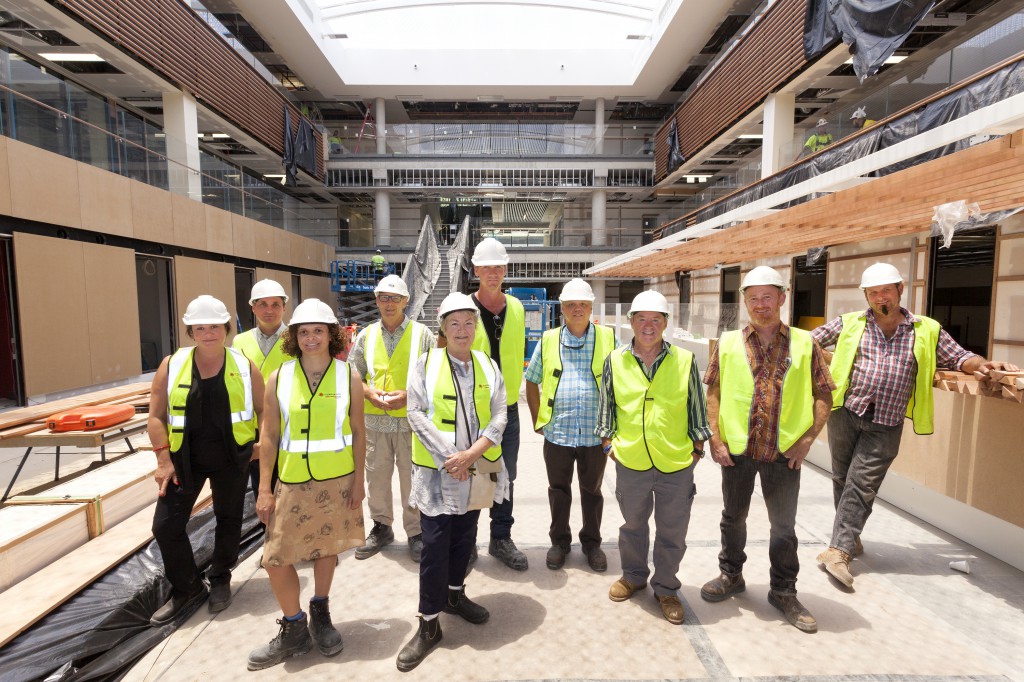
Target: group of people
822, 137
313, 432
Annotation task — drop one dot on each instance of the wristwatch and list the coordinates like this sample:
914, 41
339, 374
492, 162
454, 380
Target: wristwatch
697, 453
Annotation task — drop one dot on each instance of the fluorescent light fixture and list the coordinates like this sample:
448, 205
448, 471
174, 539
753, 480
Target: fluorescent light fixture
221, 136
274, 176
71, 57
637, 36
893, 59
751, 136
336, 36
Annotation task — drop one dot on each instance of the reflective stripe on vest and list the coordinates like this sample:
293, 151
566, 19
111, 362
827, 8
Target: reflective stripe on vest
442, 402
247, 343
551, 362
736, 381
511, 346
920, 408
316, 435
652, 419
237, 381
390, 373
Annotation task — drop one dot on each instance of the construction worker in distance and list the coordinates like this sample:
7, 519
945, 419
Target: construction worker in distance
652, 420
819, 139
378, 263
769, 394
501, 334
883, 366
860, 119
382, 355
262, 344
562, 385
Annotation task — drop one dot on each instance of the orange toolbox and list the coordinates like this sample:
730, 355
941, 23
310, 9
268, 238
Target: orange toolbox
90, 418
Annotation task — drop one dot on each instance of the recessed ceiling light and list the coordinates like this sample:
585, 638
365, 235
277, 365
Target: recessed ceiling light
71, 57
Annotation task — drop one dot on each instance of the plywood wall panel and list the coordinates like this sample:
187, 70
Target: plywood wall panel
151, 213
1011, 257
106, 205
218, 230
318, 287
243, 240
5, 179
112, 295
44, 187
194, 277
282, 250
189, 220
1009, 298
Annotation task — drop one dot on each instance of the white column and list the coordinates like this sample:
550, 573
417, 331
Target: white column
778, 132
181, 126
599, 293
382, 219
599, 226
599, 126
380, 127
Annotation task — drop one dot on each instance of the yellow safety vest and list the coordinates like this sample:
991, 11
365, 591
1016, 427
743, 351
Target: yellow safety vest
443, 407
237, 380
652, 422
511, 346
920, 409
390, 373
316, 435
551, 360
246, 342
736, 381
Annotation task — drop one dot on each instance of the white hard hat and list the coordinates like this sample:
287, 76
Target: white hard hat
206, 310
266, 288
576, 290
392, 284
859, 113
455, 302
763, 275
648, 302
822, 122
313, 311
878, 274
490, 252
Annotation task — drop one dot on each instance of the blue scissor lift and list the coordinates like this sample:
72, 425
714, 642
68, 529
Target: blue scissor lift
541, 314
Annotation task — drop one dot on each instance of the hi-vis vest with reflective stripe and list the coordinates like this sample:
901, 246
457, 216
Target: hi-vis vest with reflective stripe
551, 361
737, 391
442, 402
237, 380
511, 346
246, 342
652, 422
926, 337
316, 436
390, 373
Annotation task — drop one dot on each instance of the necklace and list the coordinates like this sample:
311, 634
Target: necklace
314, 376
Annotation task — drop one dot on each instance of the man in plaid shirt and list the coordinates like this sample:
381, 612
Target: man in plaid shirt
883, 366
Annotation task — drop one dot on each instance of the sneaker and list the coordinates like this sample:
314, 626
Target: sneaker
416, 547
220, 595
506, 551
293, 639
460, 605
556, 557
322, 630
380, 536
837, 563
179, 605
597, 560
622, 589
796, 614
722, 587
671, 607
426, 638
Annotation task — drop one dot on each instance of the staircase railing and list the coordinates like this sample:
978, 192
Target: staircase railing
422, 269
457, 257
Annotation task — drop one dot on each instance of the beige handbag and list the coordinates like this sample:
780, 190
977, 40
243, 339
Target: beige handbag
483, 480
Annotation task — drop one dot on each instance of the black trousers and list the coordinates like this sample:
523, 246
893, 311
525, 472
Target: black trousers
447, 543
590, 463
173, 512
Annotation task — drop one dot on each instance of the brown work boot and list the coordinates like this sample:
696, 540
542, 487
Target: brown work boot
622, 589
837, 563
671, 607
796, 614
722, 587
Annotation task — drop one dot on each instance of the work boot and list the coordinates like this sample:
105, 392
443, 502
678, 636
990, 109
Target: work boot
837, 563
556, 557
322, 630
622, 589
722, 587
380, 536
416, 547
597, 560
179, 605
460, 605
858, 546
506, 551
292, 640
426, 638
220, 594
671, 608
796, 614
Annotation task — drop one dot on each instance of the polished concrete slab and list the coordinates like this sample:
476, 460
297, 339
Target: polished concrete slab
909, 616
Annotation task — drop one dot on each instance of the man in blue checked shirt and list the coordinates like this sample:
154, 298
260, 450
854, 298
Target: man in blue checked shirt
562, 385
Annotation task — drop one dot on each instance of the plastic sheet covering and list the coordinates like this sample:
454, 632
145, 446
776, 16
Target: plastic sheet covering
103, 630
456, 256
1002, 84
873, 29
957, 216
305, 154
422, 269
675, 156
814, 254
290, 169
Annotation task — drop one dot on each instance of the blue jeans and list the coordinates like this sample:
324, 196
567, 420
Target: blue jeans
862, 452
501, 514
780, 486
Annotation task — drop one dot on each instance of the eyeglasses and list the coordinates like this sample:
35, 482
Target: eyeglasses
386, 298
497, 327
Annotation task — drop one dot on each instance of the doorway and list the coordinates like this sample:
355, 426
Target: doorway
157, 327
729, 308
244, 279
960, 296
10, 370
809, 285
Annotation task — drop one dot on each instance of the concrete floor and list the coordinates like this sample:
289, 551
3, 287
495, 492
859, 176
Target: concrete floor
910, 617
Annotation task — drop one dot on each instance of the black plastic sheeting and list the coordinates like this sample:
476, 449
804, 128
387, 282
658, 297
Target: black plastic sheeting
290, 167
873, 29
675, 156
1002, 84
103, 630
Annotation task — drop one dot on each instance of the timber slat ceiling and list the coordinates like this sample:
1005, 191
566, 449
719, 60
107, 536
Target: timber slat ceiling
169, 38
770, 54
991, 174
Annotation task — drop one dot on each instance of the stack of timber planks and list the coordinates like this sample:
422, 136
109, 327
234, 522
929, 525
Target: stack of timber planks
993, 383
25, 420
